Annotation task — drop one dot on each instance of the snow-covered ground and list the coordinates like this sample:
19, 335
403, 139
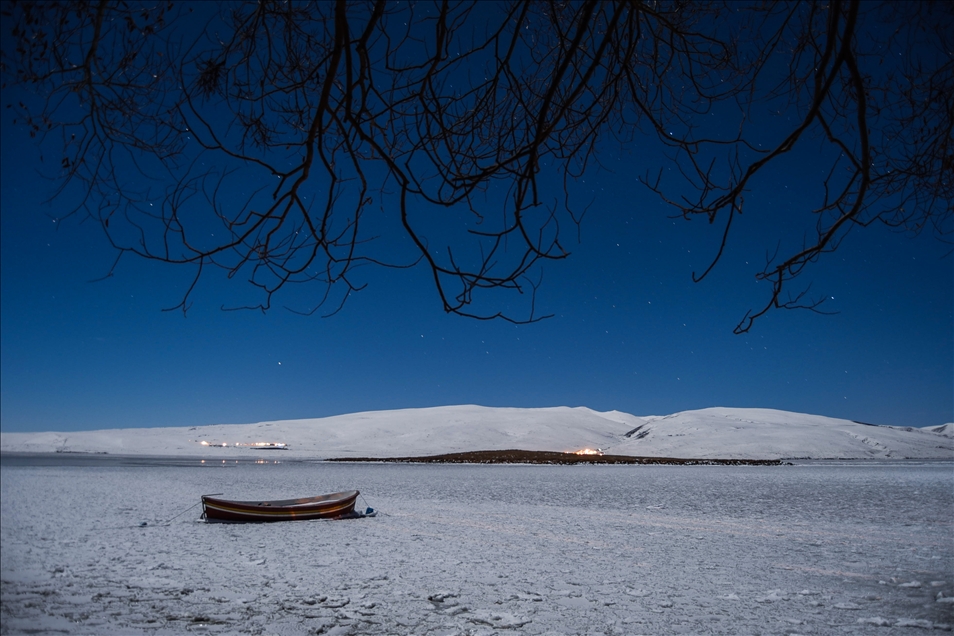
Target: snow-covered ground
707, 433
815, 548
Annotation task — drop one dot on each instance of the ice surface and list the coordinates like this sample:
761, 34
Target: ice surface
816, 548
727, 433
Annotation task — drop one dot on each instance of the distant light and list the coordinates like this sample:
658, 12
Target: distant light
588, 451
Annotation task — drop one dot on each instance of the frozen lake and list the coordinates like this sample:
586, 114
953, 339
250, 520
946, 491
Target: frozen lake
815, 548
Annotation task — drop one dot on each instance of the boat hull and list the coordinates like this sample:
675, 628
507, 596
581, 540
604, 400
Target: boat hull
331, 506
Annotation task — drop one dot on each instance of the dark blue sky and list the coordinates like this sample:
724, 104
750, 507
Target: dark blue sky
630, 330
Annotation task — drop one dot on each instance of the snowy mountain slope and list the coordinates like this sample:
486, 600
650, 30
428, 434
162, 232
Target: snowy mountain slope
771, 434
947, 430
374, 433
707, 433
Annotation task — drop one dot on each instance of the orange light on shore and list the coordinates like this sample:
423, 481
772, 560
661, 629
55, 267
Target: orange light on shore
588, 451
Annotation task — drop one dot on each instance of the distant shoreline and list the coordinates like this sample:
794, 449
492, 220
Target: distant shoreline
550, 457
513, 457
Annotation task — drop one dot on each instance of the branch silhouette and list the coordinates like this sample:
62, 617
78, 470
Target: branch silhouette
293, 143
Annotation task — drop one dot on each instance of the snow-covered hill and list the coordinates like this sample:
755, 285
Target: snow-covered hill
947, 430
771, 434
707, 433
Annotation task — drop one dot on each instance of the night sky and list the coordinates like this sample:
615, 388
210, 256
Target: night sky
630, 330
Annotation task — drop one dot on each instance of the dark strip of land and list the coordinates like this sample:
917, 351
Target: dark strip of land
548, 457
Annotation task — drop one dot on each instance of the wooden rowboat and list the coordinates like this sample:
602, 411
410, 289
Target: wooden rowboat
333, 506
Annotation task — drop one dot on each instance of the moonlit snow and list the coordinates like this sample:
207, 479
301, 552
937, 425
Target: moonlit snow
707, 433
97, 543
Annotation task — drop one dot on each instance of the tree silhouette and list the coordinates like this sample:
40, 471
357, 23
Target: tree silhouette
270, 138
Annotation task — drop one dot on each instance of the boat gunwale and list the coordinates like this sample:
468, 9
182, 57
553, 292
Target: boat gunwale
317, 500
321, 506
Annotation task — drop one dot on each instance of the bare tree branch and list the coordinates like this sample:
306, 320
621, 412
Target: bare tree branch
295, 142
